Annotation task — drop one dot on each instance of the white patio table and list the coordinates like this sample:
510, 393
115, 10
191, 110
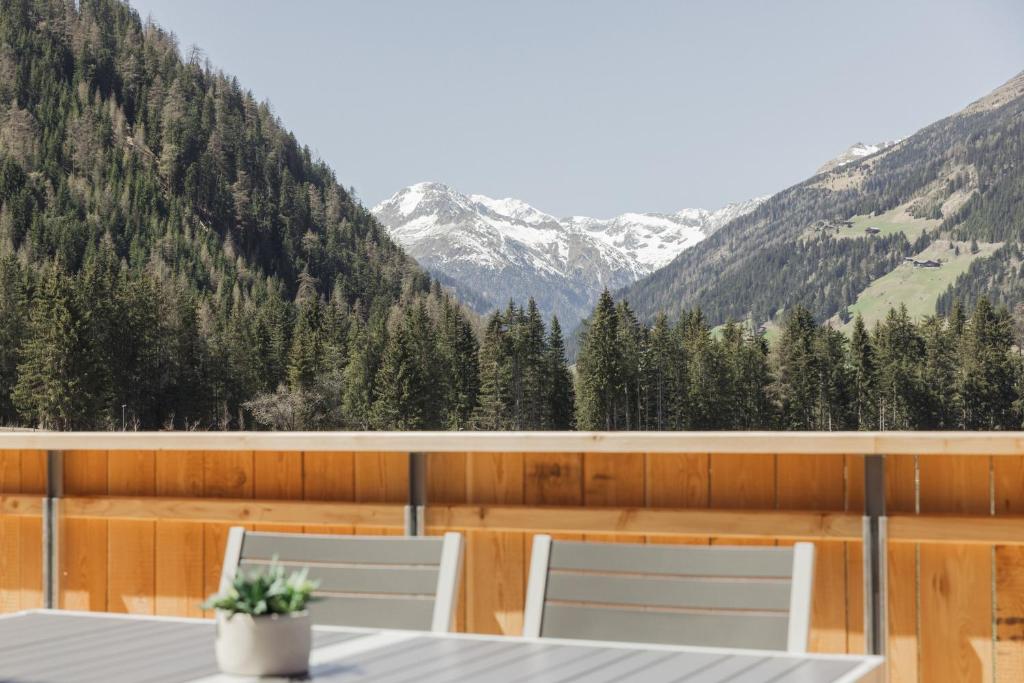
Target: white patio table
51, 646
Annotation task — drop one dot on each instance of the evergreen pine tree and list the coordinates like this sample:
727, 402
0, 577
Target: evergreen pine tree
598, 366
560, 397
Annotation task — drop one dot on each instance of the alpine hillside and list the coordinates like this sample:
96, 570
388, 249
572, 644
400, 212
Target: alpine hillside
492, 250
933, 218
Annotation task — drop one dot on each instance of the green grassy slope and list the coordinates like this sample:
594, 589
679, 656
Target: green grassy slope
918, 288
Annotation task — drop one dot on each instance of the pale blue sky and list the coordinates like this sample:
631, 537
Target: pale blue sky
600, 107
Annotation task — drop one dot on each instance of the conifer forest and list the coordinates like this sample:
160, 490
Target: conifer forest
171, 257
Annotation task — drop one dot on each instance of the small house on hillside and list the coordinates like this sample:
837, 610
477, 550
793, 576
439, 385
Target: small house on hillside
872, 230
927, 264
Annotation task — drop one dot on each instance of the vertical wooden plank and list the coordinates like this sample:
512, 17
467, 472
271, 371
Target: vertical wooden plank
678, 480
131, 559
179, 473
495, 582
956, 612
1009, 561
901, 654
855, 642
495, 478
10, 563
30, 543
902, 657
742, 481
954, 484
553, 478
495, 563
215, 537
613, 479
277, 475
131, 473
83, 563
811, 482
85, 473
328, 476
446, 478
901, 483
179, 574
10, 471
381, 477
818, 482
228, 474
1008, 490
33, 472
956, 580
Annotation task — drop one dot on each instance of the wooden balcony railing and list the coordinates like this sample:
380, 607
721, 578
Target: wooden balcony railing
920, 536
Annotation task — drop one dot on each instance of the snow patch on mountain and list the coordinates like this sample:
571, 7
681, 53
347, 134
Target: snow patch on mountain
854, 152
506, 248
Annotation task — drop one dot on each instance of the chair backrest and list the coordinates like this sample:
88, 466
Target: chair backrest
749, 597
401, 582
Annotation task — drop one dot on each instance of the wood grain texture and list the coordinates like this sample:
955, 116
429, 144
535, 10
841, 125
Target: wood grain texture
83, 563
179, 573
131, 473
277, 475
811, 482
614, 479
131, 567
678, 480
446, 478
743, 481
900, 483
381, 477
10, 471
950, 484
553, 478
328, 476
228, 474
892, 443
496, 582
30, 545
10, 563
1009, 587
956, 613
818, 482
179, 473
902, 646
85, 473
33, 472
495, 478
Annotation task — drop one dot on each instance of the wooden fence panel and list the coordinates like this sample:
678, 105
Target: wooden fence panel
22, 473
144, 531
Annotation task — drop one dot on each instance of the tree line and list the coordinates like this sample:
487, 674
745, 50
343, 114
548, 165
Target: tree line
955, 372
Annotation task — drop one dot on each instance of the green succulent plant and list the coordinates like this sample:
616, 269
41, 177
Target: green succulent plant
265, 591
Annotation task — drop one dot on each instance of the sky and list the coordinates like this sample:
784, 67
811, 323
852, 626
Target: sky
595, 107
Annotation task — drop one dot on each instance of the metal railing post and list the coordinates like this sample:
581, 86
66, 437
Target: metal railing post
414, 522
875, 573
51, 528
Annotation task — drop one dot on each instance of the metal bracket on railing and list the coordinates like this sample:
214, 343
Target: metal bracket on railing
875, 568
51, 528
417, 494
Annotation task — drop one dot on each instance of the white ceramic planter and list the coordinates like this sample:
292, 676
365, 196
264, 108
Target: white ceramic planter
269, 645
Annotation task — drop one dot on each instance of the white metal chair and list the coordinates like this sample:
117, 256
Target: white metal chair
748, 596
401, 582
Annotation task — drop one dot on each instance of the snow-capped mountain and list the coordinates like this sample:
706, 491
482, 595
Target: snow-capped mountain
501, 249
854, 152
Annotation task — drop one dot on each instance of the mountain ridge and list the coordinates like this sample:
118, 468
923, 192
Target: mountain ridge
961, 176
506, 248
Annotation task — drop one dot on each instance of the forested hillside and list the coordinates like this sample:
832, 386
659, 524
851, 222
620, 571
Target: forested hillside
961, 178
172, 256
